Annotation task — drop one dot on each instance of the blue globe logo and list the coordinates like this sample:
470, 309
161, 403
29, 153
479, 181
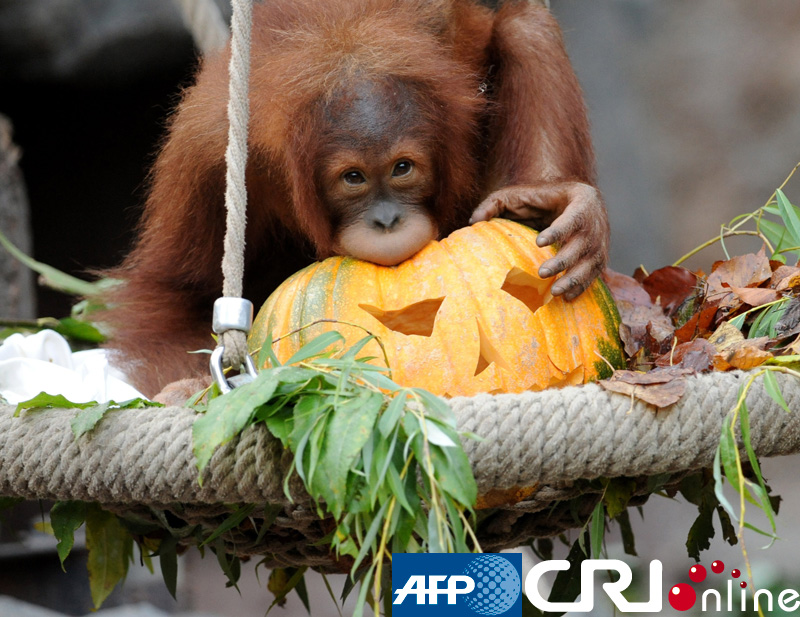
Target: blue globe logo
497, 585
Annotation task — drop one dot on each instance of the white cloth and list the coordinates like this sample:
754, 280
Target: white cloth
43, 362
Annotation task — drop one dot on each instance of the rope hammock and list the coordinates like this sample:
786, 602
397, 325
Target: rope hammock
536, 450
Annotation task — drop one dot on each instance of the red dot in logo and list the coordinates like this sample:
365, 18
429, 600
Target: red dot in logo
697, 573
717, 566
742, 584
682, 597
735, 573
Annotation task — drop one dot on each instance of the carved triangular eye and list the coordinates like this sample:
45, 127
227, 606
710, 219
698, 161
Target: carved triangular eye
487, 354
417, 318
532, 291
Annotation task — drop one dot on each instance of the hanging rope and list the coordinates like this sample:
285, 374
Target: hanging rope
204, 20
234, 341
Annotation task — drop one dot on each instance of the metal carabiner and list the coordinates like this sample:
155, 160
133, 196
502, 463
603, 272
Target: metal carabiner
217, 372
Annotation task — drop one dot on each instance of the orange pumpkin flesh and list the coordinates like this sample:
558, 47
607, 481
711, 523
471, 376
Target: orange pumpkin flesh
465, 315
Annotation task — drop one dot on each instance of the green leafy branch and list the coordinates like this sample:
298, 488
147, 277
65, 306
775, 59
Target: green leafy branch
728, 458
385, 462
782, 238
77, 326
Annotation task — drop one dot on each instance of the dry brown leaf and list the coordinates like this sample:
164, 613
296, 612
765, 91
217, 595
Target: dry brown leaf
495, 497
789, 323
669, 287
743, 355
793, 349
625, 288
725, 336
660, 387
699, 324
744, 271
756, 296
697, 355
785, 277
644, 326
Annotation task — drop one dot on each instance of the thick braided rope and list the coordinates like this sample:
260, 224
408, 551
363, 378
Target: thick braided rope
533, 439
235, 341
205, 22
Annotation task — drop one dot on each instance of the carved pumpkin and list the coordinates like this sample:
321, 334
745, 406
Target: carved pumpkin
465, 315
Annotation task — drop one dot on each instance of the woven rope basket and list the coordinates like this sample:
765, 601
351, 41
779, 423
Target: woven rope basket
538, 452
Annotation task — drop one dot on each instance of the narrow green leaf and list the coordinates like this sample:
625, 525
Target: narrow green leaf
351, 353
774, 390
367, 453
413, 431
380, 380
268, 514
79, 330
315, 347
168, 561
384, 455
729, 455
626, 531
775, 233
718, 486
230, 564
436, 542
760, 490
53, 277
598, 529
267, 354
738, 321
790, 217
285, 579
391, 415
302, 593
109, 546
402, 531
348, 365
369, 537
65, 518
233, 521
772, 537
358, 609
766, 319
437, 436
317, 442
398, 489
459, 537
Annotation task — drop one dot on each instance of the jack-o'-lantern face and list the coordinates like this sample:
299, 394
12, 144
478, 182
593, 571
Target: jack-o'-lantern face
465, 315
